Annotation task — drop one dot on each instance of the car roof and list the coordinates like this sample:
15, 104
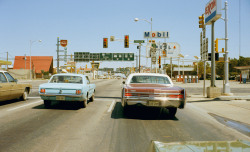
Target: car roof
149, 74
69, 74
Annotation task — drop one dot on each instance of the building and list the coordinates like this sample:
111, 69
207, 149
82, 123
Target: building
39, 65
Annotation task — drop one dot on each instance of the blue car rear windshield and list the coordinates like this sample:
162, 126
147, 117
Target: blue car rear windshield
150, 79
66, 79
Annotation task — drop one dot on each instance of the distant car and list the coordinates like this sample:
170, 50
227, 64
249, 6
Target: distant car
152, 90
10, 89
67, 88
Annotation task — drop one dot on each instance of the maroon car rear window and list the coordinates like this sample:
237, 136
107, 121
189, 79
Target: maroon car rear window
150, 79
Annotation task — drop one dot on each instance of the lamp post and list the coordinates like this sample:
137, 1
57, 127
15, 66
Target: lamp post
150, 22
31, 42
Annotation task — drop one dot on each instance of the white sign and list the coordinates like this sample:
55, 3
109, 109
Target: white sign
156, 34
173, 49
212, 11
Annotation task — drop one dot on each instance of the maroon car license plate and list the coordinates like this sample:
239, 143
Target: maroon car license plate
154, 103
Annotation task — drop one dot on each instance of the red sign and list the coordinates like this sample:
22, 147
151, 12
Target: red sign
63, 43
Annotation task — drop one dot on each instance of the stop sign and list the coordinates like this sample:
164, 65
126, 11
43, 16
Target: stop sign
64, 43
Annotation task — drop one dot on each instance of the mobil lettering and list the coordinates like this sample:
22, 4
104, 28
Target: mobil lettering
156, 34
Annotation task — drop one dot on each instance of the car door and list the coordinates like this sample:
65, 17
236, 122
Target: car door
90, 87
5, 88
16, 89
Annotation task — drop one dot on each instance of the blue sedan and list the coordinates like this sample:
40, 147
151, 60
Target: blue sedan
69, 88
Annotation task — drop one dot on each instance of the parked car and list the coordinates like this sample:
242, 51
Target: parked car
152, 90
67, 87
10, 89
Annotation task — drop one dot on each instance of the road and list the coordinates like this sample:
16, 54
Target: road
28, 126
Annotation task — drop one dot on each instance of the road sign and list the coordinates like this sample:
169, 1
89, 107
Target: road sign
63, 43
128, 57
212, 11
139, 41
94, 57
106, 56
118, 56
81, 56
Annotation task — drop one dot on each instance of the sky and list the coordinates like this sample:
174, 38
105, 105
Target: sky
85, 23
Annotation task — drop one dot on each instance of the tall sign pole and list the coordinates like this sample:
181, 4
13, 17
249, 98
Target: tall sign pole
226, 85
57, 51
212, 14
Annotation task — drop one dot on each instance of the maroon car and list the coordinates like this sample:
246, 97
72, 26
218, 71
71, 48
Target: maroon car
152, 90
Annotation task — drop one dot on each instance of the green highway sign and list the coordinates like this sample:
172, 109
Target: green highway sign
139, 41
106, 56
87, 57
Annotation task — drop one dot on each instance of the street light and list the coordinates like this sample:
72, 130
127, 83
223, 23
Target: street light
150, 22
31, 42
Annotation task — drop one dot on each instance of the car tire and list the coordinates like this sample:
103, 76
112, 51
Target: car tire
84, 103
172, 111
47, 103
92, 98
24, 96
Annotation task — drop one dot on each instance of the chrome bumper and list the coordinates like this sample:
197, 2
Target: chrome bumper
156, 102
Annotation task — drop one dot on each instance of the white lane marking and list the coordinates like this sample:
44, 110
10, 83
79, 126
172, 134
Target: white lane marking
33, 97
24, 105
111, 106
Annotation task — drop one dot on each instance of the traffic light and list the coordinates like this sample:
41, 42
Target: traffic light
209, 56
126, 41
217, 56
159, 61
201, 21
105, 42
216, 45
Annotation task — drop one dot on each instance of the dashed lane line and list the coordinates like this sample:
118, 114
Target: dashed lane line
24, 105
111, 106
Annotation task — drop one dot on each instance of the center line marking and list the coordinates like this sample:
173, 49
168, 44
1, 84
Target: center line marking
24, 105
111, 106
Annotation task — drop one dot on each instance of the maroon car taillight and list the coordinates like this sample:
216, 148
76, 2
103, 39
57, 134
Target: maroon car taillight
128, 94
176, 96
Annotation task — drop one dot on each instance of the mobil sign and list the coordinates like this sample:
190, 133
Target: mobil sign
212, 11
156, 34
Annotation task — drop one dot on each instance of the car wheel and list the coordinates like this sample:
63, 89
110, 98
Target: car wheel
172, 111
24, 96
84, 103
92, 98
47, 103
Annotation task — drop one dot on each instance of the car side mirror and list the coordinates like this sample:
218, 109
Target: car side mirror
123, 82
15, 80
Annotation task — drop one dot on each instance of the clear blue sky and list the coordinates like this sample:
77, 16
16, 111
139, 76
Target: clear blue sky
85, 23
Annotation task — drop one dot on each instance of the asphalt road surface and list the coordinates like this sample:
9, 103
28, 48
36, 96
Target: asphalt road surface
28, 126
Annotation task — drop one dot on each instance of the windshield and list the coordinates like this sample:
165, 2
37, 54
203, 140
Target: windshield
150, 79
66, 79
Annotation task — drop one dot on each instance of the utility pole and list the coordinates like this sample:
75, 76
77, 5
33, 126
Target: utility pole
7, 60
25, 60
226, 85
140, 58
57, 55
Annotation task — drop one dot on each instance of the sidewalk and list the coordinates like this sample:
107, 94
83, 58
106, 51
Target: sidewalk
237, 110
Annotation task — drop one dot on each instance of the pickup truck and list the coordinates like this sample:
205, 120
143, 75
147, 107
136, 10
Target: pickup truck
152, 90
10, 89
67, 87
